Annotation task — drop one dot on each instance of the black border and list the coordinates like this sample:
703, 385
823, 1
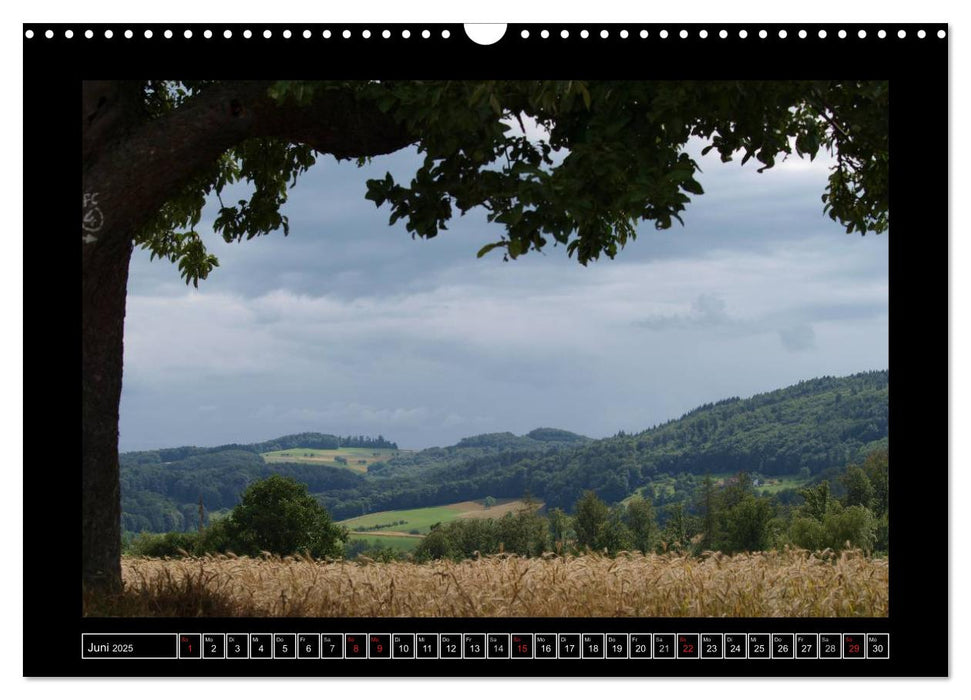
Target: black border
918, 73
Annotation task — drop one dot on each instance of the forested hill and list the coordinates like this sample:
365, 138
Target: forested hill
161, 489
808, 428
816, 425
320, 441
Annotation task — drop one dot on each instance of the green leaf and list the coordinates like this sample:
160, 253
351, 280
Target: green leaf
692, 186
491, 246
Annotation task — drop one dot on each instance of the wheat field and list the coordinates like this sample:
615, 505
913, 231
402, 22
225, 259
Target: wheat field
790, 583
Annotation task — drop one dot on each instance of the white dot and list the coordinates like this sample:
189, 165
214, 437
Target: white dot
109, 33
624, 34
683, 33
861, 33
742, 34
822, 33
88, 34
446, 34
326, 34
366, 33
703, 33
129, 33
187, 33
68, 34
724, 34
307, 34
841, 34
584, 33
663, 34
544, 34
346, 34
405, 33
49, 34
604, 33
643, 34
524, 34
227, 34
763, 34
29, 34
148, 33
941, 34
921, 34
901, 34
168, 33
803, 33
267, 33
564, 34
783, 34
425, 34
287, 34
882, 34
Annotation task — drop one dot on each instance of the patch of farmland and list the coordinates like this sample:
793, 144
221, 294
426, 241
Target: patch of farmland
354, 458
419, 520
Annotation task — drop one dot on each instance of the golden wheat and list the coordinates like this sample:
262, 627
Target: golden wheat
790, 583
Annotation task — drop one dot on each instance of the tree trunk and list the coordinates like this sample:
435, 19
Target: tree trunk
103, 292
132, 165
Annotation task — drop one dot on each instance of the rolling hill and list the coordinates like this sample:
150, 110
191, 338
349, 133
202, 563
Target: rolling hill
809, 429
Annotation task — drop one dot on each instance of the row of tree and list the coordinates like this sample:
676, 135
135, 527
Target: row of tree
278, 515
730, 518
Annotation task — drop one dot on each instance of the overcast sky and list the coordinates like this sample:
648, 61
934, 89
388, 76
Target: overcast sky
350, 326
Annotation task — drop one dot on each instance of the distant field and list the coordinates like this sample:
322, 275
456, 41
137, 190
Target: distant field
421, 519
355, 458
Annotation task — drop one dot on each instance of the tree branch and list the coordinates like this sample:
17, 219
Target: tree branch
133, 174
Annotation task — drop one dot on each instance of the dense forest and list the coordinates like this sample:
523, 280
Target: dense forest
812, 430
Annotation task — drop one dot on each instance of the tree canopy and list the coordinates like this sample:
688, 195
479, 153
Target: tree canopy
614, 155
277, 515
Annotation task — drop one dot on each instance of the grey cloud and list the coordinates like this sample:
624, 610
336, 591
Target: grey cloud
350, 326
798, 338
707, 310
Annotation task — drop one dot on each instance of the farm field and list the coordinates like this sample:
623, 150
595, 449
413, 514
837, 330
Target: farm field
421, 519
791, 583
354, 458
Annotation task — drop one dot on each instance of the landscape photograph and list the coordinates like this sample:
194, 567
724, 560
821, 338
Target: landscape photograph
446, 349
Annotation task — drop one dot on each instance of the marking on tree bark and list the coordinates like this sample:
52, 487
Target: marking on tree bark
93, 219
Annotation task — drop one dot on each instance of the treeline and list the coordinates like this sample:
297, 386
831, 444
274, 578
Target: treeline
316, 441
278, 516
728, 518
